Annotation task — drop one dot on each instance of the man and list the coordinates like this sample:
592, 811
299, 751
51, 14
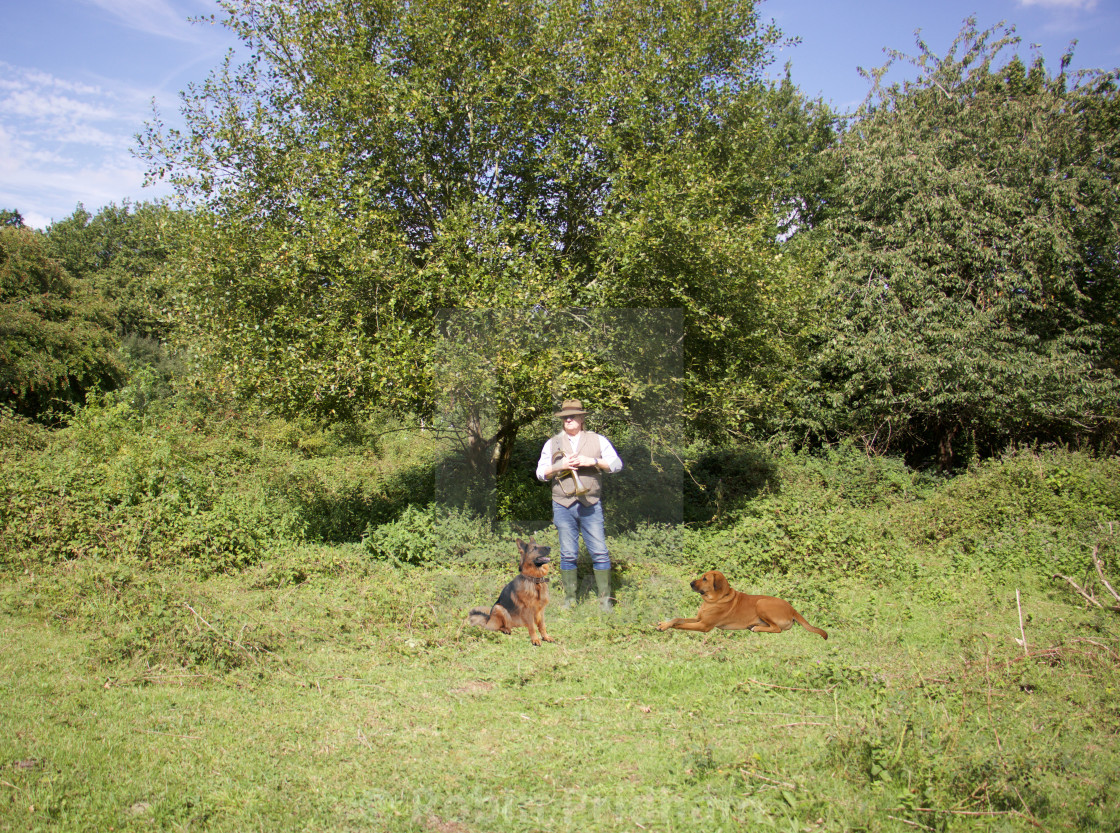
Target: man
575, 460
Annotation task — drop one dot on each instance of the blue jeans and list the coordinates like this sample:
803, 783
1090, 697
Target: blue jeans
570, 522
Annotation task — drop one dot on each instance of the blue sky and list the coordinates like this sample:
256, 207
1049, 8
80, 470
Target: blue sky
78, 77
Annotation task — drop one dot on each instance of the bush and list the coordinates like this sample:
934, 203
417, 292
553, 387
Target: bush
20, 434
153, 482
839, 512
816, 513
147, 482
335, 499
117, 486
647, 492
427, 534
781, 533
156, 621
720, 481
846, 476
1034, 510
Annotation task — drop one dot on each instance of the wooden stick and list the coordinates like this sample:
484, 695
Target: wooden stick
1100, 572
911, 823
1079, 589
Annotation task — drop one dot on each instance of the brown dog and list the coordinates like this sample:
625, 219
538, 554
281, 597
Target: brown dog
523, 600
725, 607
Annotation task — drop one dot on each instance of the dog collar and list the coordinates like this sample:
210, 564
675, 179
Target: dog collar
541, 580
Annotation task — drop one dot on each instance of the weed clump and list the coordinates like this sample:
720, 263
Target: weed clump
427, 534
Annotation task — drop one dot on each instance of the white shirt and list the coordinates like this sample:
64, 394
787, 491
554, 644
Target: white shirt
606, 453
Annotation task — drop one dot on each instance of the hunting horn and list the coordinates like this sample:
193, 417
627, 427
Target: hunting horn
580, 488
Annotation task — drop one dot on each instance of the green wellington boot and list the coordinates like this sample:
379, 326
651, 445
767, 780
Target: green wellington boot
603, 583
571, 584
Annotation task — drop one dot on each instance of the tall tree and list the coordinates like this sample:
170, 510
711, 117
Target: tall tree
975, 231
376, 161
56, 338
498, 370
10, 217
123, 252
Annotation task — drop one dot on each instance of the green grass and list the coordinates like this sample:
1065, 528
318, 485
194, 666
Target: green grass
359, 700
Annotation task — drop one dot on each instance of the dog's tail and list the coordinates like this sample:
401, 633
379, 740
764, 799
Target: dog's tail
479, 617
799, 619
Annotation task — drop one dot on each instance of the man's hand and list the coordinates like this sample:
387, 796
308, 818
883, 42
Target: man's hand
572, 462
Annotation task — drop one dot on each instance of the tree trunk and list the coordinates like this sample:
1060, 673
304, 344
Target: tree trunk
945, 448
478, 448
505, 449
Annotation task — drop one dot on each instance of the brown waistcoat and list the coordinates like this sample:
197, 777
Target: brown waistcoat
590, 476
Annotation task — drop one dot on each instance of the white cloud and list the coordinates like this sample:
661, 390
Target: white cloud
44, 187
62, 143
44, 79
87, 134
68, 118
154, 17
31, 103
1069, 5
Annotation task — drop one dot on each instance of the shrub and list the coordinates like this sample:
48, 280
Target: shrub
720, 481
20, 434
782, 533
840, 512
149, 481
335, 499
818, 513
147, 498
1035, 510
429, 534
157, 621
847, 476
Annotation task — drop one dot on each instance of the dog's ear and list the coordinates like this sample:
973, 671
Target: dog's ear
719, 583
521, 545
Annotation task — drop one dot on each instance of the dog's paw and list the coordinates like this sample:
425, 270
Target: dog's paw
663, 626
537, 641
548, 639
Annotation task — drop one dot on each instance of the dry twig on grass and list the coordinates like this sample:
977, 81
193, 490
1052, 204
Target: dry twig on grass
1087, 592
221, 635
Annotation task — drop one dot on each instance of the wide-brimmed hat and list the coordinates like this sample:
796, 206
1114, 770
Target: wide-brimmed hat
570, 407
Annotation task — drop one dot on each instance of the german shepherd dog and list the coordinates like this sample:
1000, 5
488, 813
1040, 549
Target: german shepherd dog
522, 601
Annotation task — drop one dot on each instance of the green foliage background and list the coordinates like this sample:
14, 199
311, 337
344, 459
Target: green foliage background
57, 340
182, 575
972, 238
146, 483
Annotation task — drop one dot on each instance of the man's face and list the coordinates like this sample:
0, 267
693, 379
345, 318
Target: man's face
573, 425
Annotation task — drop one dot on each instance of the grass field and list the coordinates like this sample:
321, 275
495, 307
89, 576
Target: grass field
358, 700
